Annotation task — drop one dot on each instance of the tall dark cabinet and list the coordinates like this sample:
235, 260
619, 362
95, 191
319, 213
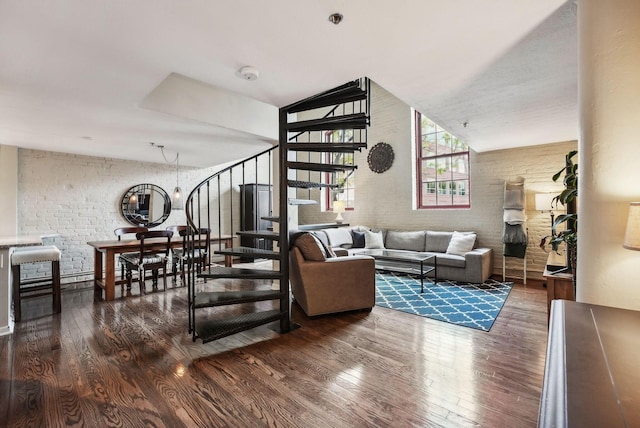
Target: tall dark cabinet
255, 203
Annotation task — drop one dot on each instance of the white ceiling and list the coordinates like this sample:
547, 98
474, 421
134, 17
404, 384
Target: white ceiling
74, 73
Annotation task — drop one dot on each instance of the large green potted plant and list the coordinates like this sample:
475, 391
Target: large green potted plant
569, 235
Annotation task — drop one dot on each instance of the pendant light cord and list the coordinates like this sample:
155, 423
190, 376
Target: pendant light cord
176, 161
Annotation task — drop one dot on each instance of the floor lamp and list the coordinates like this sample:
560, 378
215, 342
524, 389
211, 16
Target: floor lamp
544, 202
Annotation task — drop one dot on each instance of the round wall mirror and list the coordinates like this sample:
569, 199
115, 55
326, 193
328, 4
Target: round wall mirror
145, 205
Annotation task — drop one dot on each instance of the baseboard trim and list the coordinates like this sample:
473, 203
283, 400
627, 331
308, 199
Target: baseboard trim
7, 329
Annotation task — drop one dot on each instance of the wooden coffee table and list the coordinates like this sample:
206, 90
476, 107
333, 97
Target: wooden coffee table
413, 263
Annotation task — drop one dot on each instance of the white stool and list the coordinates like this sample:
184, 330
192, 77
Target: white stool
48, 253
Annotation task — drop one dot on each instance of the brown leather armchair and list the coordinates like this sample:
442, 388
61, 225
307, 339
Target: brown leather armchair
337, 284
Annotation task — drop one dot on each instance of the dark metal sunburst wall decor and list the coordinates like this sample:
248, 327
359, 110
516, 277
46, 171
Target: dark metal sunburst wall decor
380, 157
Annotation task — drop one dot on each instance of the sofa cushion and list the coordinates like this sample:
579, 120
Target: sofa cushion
373, 240
358, 239
437, 242
339, 237
311, 247
413, 241
461, 243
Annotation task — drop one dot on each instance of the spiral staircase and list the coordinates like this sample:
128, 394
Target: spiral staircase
299, 168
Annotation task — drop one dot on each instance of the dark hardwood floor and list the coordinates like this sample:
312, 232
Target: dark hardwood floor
131, 363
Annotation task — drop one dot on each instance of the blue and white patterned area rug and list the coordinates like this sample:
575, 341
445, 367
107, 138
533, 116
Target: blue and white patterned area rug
470, 305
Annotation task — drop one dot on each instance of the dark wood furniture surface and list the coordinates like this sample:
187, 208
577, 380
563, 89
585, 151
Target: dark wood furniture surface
559, 286
109, 249
592, 372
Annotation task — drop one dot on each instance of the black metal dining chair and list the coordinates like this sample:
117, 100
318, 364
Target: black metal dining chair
195, 251
123, 232
152, 256
176, 253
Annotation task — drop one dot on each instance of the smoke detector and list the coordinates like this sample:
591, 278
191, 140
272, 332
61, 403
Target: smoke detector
249, 73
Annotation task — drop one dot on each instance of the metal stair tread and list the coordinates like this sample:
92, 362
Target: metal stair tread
249, 252
212, 329
295, 201
216, 272
346, 93
309, 184
347, 121
220, 298
266, 234
321, 167
327, 147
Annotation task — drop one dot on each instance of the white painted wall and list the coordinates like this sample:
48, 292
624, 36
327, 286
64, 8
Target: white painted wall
78, 197
609, 41
386, 200
8, 227
8, 190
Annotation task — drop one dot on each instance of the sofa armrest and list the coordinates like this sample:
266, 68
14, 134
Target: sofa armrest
478, 264
341, 267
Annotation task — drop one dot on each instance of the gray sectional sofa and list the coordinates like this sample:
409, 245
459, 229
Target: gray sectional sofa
458, 255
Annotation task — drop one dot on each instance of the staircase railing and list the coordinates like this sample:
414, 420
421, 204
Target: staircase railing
195, 219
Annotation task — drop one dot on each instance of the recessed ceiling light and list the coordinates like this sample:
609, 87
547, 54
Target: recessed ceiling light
335, 18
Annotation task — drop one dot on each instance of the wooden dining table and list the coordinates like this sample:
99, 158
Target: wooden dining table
104, 254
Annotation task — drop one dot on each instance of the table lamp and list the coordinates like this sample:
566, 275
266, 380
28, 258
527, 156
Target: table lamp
339, 208
632, 234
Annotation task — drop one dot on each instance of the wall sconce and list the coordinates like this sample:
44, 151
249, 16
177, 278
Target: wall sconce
632, 234
339, 208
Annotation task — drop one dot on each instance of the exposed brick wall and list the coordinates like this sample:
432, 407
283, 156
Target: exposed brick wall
77, 199
387, 200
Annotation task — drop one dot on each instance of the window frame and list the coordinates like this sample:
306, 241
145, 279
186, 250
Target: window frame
454, 189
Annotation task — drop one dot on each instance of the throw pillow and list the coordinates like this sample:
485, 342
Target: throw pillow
311, 248
358, 239
373, 240
339, 237
461, 243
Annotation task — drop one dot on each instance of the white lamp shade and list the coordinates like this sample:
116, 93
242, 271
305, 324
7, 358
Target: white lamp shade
632, 235
544, 201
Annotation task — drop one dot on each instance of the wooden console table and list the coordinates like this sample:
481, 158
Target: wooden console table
559, 286
591, 375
